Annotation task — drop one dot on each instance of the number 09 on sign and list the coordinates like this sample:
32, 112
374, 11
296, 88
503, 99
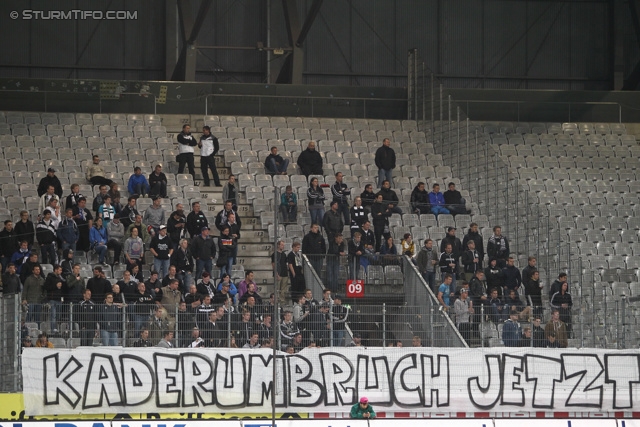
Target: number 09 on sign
355, 288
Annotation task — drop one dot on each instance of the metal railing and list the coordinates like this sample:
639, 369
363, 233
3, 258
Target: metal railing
10, 379
307, 106
397, 303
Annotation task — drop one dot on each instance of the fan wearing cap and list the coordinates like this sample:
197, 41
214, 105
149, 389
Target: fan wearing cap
362, 409
50, 179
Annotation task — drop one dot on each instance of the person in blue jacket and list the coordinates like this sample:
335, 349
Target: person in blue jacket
436, 199
138, 183
98, 238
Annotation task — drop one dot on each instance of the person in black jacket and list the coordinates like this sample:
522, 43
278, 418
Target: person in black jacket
50, 179
56, 287
110, 316
453, 201
182, 259
336, 251
471, 261
474, 234
557, 284
158, 182
451, 239
221, 217
209, 147
498, 247
449, 264
87, 319
98, 284
186, 142
10, 281
341, 194
129, 212
385, 161
368, 197
512, 276
495, 277
24, 228
310, 161
8, 244
177, 225
381, 213
420, 200
333, 222
356, 250
226, 248
275, 164
196, 220
296, 271
204, 251
315, 247
390, 197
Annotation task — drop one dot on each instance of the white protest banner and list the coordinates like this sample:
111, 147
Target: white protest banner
115, 380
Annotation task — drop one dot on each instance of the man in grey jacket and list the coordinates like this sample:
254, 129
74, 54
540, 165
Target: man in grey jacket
427, 260
115, 234
166, 341
155, 215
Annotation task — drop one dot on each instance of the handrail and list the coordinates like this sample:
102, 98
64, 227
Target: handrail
312, 98
519, 102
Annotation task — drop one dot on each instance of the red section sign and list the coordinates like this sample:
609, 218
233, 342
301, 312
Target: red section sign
355, 288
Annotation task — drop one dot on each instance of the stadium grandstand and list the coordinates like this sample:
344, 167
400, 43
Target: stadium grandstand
198, 241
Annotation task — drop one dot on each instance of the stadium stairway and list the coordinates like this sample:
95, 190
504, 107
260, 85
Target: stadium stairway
254, 252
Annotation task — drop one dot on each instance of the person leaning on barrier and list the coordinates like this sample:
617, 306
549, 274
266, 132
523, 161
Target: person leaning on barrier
362, 409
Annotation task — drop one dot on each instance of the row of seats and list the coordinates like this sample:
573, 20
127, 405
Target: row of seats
578, 140
311, 123
596, 163
35, 166
83, 131
569, 150
318, 134
552, 128
86, 154
592, 211
16, 117
92, 142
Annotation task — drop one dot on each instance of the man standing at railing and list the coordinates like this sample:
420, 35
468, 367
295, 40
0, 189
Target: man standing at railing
385, 161
444, 292
315, 247
356, 250
449, 264
296, 271
427, 260
279, 264
339, 314
336, 250
87, 318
